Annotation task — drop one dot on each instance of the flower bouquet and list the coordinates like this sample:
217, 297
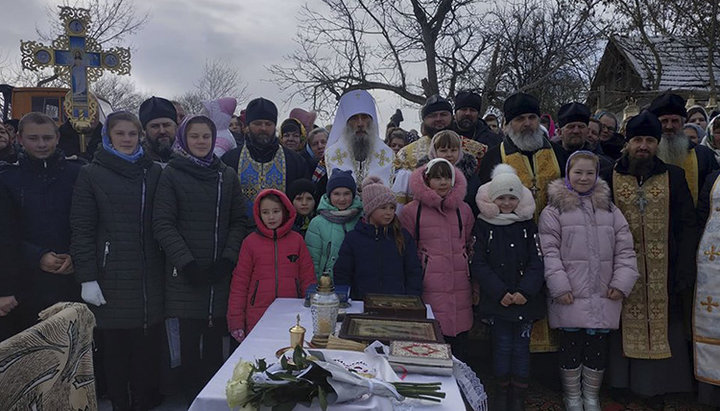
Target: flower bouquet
303, 378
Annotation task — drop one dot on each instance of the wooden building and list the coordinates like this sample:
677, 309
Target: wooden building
628, 69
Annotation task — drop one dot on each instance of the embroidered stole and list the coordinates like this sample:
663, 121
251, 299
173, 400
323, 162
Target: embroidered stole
690, 165
706, 313
546, 170
542, 339
644, 321
255, 176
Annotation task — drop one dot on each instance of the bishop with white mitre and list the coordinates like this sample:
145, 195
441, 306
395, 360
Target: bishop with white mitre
355, 143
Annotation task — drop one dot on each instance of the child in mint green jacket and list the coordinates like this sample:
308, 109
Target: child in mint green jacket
339, 210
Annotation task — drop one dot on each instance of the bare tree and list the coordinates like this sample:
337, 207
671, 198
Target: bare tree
120, 92
219, 79
412, 48
545, 47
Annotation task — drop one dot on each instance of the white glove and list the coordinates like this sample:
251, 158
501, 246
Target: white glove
92, 294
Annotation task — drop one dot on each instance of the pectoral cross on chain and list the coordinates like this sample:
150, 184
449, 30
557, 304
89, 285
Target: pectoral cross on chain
642, 202
712, 253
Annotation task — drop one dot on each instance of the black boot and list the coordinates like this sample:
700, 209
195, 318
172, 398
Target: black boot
502, 391
517, 394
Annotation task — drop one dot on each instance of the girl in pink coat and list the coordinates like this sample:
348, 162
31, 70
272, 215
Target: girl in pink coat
590, 266
274, 263
441, 223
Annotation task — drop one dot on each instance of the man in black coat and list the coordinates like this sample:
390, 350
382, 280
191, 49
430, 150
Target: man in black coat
73, 144
573, 119
40, 187
262, 162
468, 122
10, 279
649, 354
675, 148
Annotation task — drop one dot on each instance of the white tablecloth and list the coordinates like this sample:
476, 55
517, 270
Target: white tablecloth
271, 333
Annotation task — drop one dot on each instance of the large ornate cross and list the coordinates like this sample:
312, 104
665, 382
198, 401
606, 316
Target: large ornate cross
79, 60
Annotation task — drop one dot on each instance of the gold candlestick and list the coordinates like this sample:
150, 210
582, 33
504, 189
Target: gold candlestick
297, 334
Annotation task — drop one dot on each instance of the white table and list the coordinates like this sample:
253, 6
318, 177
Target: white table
271, 333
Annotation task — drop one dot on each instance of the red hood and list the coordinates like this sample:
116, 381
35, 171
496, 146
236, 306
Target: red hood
427, 196
286, 226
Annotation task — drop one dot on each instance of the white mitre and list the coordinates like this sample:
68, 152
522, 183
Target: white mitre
339, 155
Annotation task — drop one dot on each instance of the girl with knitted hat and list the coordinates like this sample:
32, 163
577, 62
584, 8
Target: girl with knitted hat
511, 296
378, 256
590, 267
441, 224
338, 212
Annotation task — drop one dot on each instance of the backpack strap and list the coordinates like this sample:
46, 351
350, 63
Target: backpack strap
460, 226
417, 223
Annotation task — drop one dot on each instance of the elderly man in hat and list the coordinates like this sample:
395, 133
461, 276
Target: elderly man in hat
649, 354
158, 117
675, 148
261, 162
573, 123
468, 122
355, 144
436, 116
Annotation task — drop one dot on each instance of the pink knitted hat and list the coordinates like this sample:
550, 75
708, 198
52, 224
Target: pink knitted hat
375, 194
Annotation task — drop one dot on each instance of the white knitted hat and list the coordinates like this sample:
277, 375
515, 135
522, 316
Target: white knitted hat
505, 181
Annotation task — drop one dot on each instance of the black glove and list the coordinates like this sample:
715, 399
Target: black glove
222, 268
195, 276
397, 118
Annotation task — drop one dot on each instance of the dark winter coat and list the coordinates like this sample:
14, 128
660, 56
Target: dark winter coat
613, 147
481, 133
198, 217
112, 239
10, 274
370, 263
272, 264
507, 260
70, 141
682, 236
41, 192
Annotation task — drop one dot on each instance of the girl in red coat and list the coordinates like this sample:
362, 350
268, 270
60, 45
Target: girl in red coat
274, 263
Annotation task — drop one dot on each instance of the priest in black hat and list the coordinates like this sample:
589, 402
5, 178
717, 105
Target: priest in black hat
649, 354
573, 119
158, 117
261, 162
675, 148
468, 122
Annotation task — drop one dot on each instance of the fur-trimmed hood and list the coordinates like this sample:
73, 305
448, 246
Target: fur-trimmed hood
428, 197
564, 199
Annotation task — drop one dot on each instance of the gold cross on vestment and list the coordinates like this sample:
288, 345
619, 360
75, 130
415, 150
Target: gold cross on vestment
710, 304
711, 253
382, 158
339, 156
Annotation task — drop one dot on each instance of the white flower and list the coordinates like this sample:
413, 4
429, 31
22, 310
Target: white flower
237, 388
242, 370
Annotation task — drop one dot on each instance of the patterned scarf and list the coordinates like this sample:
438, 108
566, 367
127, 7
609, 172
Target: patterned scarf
340, 217
180, 145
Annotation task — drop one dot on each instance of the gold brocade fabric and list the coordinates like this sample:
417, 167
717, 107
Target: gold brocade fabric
543, 339
646, 207
546, 170
409, 156
690, 165
255, 176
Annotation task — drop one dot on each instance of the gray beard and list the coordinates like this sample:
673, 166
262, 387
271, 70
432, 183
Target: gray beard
531, 141
673, 148
360, 145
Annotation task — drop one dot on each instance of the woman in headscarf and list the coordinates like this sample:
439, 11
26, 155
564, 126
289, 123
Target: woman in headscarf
118, 262
200, 223
712, 137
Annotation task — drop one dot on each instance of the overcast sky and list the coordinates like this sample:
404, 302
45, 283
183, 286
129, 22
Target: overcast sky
169, 52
